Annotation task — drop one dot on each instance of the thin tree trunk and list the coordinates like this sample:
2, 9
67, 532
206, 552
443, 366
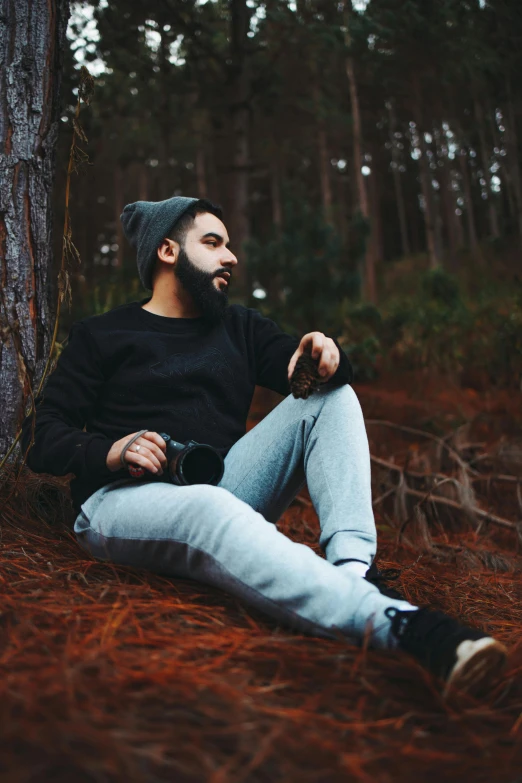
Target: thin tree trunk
143, 182
397, 182
322, 146
438, 198
425, 178
362, 196
506, 188
512, 138
164, 170
470, 214
375, 242
492, 210
275, 282
449, 207
199, 121
119, 203
201, 172
240, 122
343, 208
429, 207
275, 190
32, 39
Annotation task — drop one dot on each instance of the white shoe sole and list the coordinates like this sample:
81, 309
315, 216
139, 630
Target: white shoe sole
479, 664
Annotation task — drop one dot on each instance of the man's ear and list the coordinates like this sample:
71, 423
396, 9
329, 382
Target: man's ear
168, 251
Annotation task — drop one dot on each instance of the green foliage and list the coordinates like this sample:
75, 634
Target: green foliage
440, 331
304, 270
429, 331
362, 338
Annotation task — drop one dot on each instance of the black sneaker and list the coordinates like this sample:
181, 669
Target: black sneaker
465, 658
381, 578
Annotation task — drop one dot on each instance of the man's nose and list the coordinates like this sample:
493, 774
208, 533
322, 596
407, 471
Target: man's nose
230, 257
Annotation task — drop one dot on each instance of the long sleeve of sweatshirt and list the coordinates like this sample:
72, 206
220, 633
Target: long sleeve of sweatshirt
64, 408
273, 351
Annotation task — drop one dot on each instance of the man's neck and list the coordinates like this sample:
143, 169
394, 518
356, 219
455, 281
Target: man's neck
169, 308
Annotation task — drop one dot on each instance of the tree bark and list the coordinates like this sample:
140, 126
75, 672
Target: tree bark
470, 214
119, 203
429, 206
199, 122
375, 249
425, 178
275, 190
512, 143
449, 209
164, 180
362, 195
275, 282
322, 146
143, 182
201, 172
32, 39
492, 209
508, 199
239, 85
397, 182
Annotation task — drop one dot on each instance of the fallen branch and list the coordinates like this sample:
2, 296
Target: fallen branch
486, 515
413, 431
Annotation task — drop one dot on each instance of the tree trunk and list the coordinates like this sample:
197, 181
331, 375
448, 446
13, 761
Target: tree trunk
429, 206
199, 123
509, 209
375, 249
470, 214
275, 191
448, 208
239, 85
343, 209
143, 182
164, 119
275, 282
492, 209
512, 143
119, 203
201, 172
430, 218
397, 182
322, 146
32, 39
362, 196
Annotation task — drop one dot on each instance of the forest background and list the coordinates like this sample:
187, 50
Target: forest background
367, 156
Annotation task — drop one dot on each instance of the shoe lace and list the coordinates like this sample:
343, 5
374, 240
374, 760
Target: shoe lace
429, 635
400, 623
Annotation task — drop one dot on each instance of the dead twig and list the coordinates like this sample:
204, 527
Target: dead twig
413, 431
485, 515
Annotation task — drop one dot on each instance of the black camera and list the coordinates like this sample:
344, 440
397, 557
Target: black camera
192, 462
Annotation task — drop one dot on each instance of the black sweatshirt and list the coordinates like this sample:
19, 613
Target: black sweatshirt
128, 369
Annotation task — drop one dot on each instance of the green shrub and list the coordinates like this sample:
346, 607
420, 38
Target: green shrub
437, 330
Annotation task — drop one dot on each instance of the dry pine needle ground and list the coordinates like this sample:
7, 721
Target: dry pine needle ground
111, 673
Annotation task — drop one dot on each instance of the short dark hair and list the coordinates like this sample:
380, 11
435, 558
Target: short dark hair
179, 232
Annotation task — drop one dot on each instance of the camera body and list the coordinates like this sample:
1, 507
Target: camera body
188, 463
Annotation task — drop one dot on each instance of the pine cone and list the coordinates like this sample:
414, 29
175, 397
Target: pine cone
305, 377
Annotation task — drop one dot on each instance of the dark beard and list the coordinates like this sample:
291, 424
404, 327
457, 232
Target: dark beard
212, 301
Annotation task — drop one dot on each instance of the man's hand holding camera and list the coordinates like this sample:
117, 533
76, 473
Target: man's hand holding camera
151, 454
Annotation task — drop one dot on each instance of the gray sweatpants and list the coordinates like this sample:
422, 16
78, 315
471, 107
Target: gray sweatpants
226, 535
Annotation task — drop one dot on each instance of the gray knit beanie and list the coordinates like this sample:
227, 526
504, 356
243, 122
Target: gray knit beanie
146, 224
